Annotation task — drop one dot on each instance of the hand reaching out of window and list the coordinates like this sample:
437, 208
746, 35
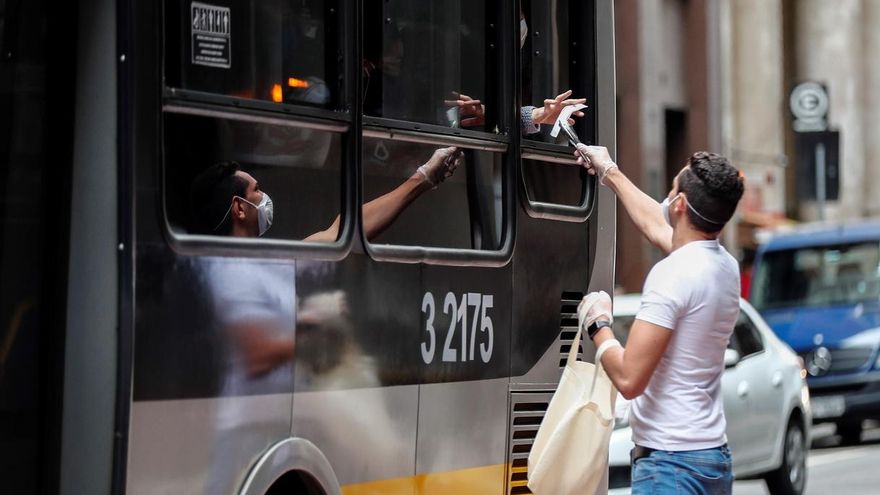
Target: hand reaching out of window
553, 106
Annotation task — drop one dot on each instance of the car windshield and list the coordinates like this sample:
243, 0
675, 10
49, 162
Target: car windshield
818, 276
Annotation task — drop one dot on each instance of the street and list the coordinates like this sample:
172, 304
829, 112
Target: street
832, 468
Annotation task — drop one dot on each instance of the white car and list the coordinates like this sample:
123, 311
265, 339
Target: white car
766, 404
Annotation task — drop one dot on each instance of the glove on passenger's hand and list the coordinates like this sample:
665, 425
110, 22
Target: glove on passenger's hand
595, 306
441, 165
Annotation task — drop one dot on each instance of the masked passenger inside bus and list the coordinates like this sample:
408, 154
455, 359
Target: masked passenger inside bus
227, 201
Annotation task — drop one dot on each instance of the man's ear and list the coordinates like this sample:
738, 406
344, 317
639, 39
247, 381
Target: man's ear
237, 209
680, 206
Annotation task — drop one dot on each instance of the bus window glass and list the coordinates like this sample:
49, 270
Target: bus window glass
421, 58
403, 207
818, 276
548, 182
558, 54
298, 169
282, 51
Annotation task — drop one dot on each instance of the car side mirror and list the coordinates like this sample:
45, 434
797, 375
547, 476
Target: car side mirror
731, 357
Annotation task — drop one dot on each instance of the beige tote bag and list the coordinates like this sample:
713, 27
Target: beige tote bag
570, 453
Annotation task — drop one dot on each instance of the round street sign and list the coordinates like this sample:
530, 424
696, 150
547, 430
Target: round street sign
809, 105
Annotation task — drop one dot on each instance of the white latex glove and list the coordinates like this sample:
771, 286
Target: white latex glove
600, 161
595, 306
441, 165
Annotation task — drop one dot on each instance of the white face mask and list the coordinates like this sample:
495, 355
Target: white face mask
664, 207
523, 32
265, 212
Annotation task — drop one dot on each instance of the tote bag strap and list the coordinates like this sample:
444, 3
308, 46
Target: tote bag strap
572, 354
576, 343
608, 344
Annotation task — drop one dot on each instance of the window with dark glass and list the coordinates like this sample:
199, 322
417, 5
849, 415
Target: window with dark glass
818, 276
420, 57
298, 168
747, 337
558, 54
556, 183
282, 51
403, 207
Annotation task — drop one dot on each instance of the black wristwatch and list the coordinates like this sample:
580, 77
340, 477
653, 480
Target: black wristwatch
597, 325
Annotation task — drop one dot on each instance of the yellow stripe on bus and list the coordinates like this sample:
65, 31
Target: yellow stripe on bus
473, 481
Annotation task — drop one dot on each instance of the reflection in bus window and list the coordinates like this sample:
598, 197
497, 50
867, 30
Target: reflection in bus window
556, 55
285, 51
418, 55
206, 193
464, 211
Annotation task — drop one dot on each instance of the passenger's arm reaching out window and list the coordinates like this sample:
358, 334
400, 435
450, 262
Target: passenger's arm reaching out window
381, 212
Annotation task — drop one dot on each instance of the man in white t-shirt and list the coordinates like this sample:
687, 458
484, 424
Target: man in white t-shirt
672, 365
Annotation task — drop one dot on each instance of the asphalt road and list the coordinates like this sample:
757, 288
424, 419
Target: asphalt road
832, 469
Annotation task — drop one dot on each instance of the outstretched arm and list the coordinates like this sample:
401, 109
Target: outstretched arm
644, 211
381, 212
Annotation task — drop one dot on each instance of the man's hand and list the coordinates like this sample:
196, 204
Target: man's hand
471, 112
600, 162
550, 112
595, 306
441, 165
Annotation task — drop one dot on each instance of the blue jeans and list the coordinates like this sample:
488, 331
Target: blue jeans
698, 472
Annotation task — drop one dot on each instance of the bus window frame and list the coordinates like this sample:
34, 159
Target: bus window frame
185, 243
563, 154
342, 121
399, 253
506, 142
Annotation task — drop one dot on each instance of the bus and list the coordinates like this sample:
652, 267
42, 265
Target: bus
384, 303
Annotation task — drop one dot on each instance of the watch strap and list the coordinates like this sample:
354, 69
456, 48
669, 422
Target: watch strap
597, 325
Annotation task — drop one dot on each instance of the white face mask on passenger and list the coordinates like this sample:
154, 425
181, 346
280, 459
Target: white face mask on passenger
523, 32
265, 212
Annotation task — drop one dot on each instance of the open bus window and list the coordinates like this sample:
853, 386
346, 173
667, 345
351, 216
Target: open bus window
298, 169
463, 211
422, 56
558, 54
283, 51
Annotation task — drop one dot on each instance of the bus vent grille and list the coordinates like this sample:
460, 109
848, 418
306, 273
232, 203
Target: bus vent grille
527, 409
568, 323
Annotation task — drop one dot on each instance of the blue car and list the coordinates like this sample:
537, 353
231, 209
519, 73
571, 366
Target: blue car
819, 289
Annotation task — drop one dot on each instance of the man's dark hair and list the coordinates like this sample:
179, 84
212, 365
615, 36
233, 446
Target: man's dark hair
713, 187
211, 196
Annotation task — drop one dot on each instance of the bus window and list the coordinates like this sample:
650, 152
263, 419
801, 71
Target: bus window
283, 51
420, 57
298, 169
555, 183
463, 211
558, 54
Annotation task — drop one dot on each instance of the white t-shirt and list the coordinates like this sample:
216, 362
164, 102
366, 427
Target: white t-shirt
695, 292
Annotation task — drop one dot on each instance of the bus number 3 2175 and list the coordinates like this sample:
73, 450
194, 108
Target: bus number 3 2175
456, 310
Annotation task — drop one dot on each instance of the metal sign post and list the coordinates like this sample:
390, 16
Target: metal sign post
820, 179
